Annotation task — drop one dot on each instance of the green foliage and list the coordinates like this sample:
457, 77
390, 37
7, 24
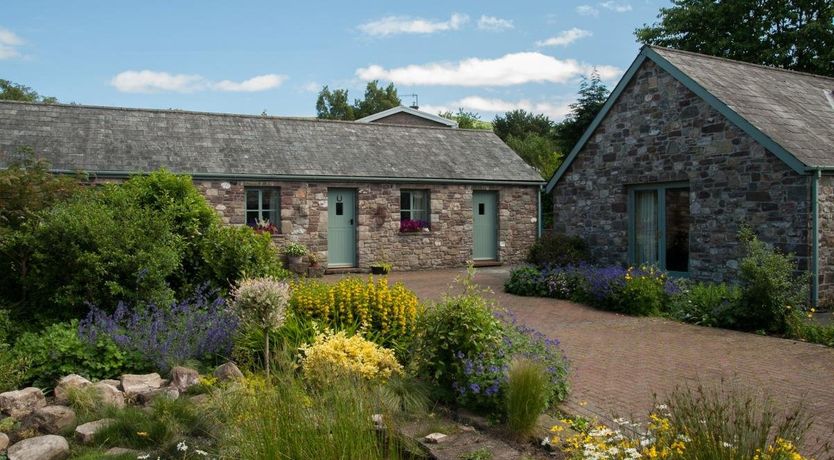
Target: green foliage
539, 151
770, 287
801, 326
294, 249
58, 351
713, 416
526, 281
335, 104
14, 368
466, 120
558, 249
592, 96
706, 304
520, 123
10, 91
526, 396
643, 294
232, 253
796, 35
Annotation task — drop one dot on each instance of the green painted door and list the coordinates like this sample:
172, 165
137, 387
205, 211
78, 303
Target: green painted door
341, 228
485, 225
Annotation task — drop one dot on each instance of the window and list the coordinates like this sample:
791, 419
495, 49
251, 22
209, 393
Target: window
263, 204
659, 226
414, 210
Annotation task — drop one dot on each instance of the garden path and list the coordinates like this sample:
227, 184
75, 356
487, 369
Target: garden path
618, 363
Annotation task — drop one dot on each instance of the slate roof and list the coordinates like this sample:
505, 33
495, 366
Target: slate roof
123, 141
792, 108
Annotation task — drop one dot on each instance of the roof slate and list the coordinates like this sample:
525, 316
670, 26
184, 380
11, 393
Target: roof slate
789, 107
119, 140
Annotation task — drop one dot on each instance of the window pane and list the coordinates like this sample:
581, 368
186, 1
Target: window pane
405, 200
420, 215
251, 218
645, 227
266, 202
418, 200
252, 199
405, 215
677, 230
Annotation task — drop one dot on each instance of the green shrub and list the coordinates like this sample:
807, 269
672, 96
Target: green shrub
643, 293
233, 253
527, 395
14, 369
770, 287
58, 350
801, 327
462, 325
706, 304
558, 249
526, 281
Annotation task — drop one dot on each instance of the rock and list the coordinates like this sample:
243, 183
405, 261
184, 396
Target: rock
133, 384
148, 396
228, 371
184, 377
51, 419
115, 383
21, 402
115, 451
4, 441
109, 394
435, 438
49, 447
66, 384
86, 432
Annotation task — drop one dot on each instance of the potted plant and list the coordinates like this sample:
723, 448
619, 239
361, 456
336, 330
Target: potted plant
295, 252
315, 270
381, 268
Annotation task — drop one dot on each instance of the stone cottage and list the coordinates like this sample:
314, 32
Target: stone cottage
689, 147
354, 192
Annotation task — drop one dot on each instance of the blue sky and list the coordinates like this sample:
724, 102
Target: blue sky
247, 57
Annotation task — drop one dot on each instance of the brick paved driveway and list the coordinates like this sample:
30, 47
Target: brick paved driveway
619, 362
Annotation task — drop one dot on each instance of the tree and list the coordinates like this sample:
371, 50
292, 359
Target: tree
539, 151
335, 105
592, 96
519, 123
792, 34
10, 91
466, 120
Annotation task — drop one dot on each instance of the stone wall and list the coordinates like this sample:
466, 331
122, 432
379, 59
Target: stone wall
826, 245
448, 244
659, 131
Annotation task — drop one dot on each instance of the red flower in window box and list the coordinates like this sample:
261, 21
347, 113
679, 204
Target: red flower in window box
412, 226
265, 226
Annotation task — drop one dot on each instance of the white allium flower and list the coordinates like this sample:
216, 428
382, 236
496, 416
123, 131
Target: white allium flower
182, 446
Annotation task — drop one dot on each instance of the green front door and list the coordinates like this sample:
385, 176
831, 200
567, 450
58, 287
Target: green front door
485, 225
341, 227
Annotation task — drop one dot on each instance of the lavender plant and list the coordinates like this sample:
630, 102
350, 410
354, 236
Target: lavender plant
200, 327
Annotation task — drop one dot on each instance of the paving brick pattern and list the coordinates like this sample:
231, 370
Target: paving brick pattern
618, 363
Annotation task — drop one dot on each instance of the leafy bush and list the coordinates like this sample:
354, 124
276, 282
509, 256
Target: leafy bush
59, 350
14, 369
336, 356
643, 293
201, 327
770, 287
27, 187
801, 326
231, 253
262, 303
526, 281
706, 304
388, 313
527, 395
558, 249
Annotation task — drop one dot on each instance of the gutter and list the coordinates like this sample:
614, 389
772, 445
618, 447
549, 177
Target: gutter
306, 178
815, 237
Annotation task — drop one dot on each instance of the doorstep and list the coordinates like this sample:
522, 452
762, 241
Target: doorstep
487, 263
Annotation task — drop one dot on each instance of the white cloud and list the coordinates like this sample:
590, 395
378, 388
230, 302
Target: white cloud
311, 87
258, 83
149, 81
395, 25
9, 42
619, 7
587, 10
494, 24
491, 106
510, 69
565, 37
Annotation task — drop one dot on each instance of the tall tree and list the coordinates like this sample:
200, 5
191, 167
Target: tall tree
10, 91
335, 105
592, 96
793, 34
466, 120
519, 123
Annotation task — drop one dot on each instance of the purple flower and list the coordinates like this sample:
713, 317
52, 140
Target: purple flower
475, 388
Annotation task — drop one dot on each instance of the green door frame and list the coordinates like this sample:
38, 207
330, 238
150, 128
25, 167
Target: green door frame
661, 188
331, 210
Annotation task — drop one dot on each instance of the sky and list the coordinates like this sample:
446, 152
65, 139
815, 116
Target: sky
254, 56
